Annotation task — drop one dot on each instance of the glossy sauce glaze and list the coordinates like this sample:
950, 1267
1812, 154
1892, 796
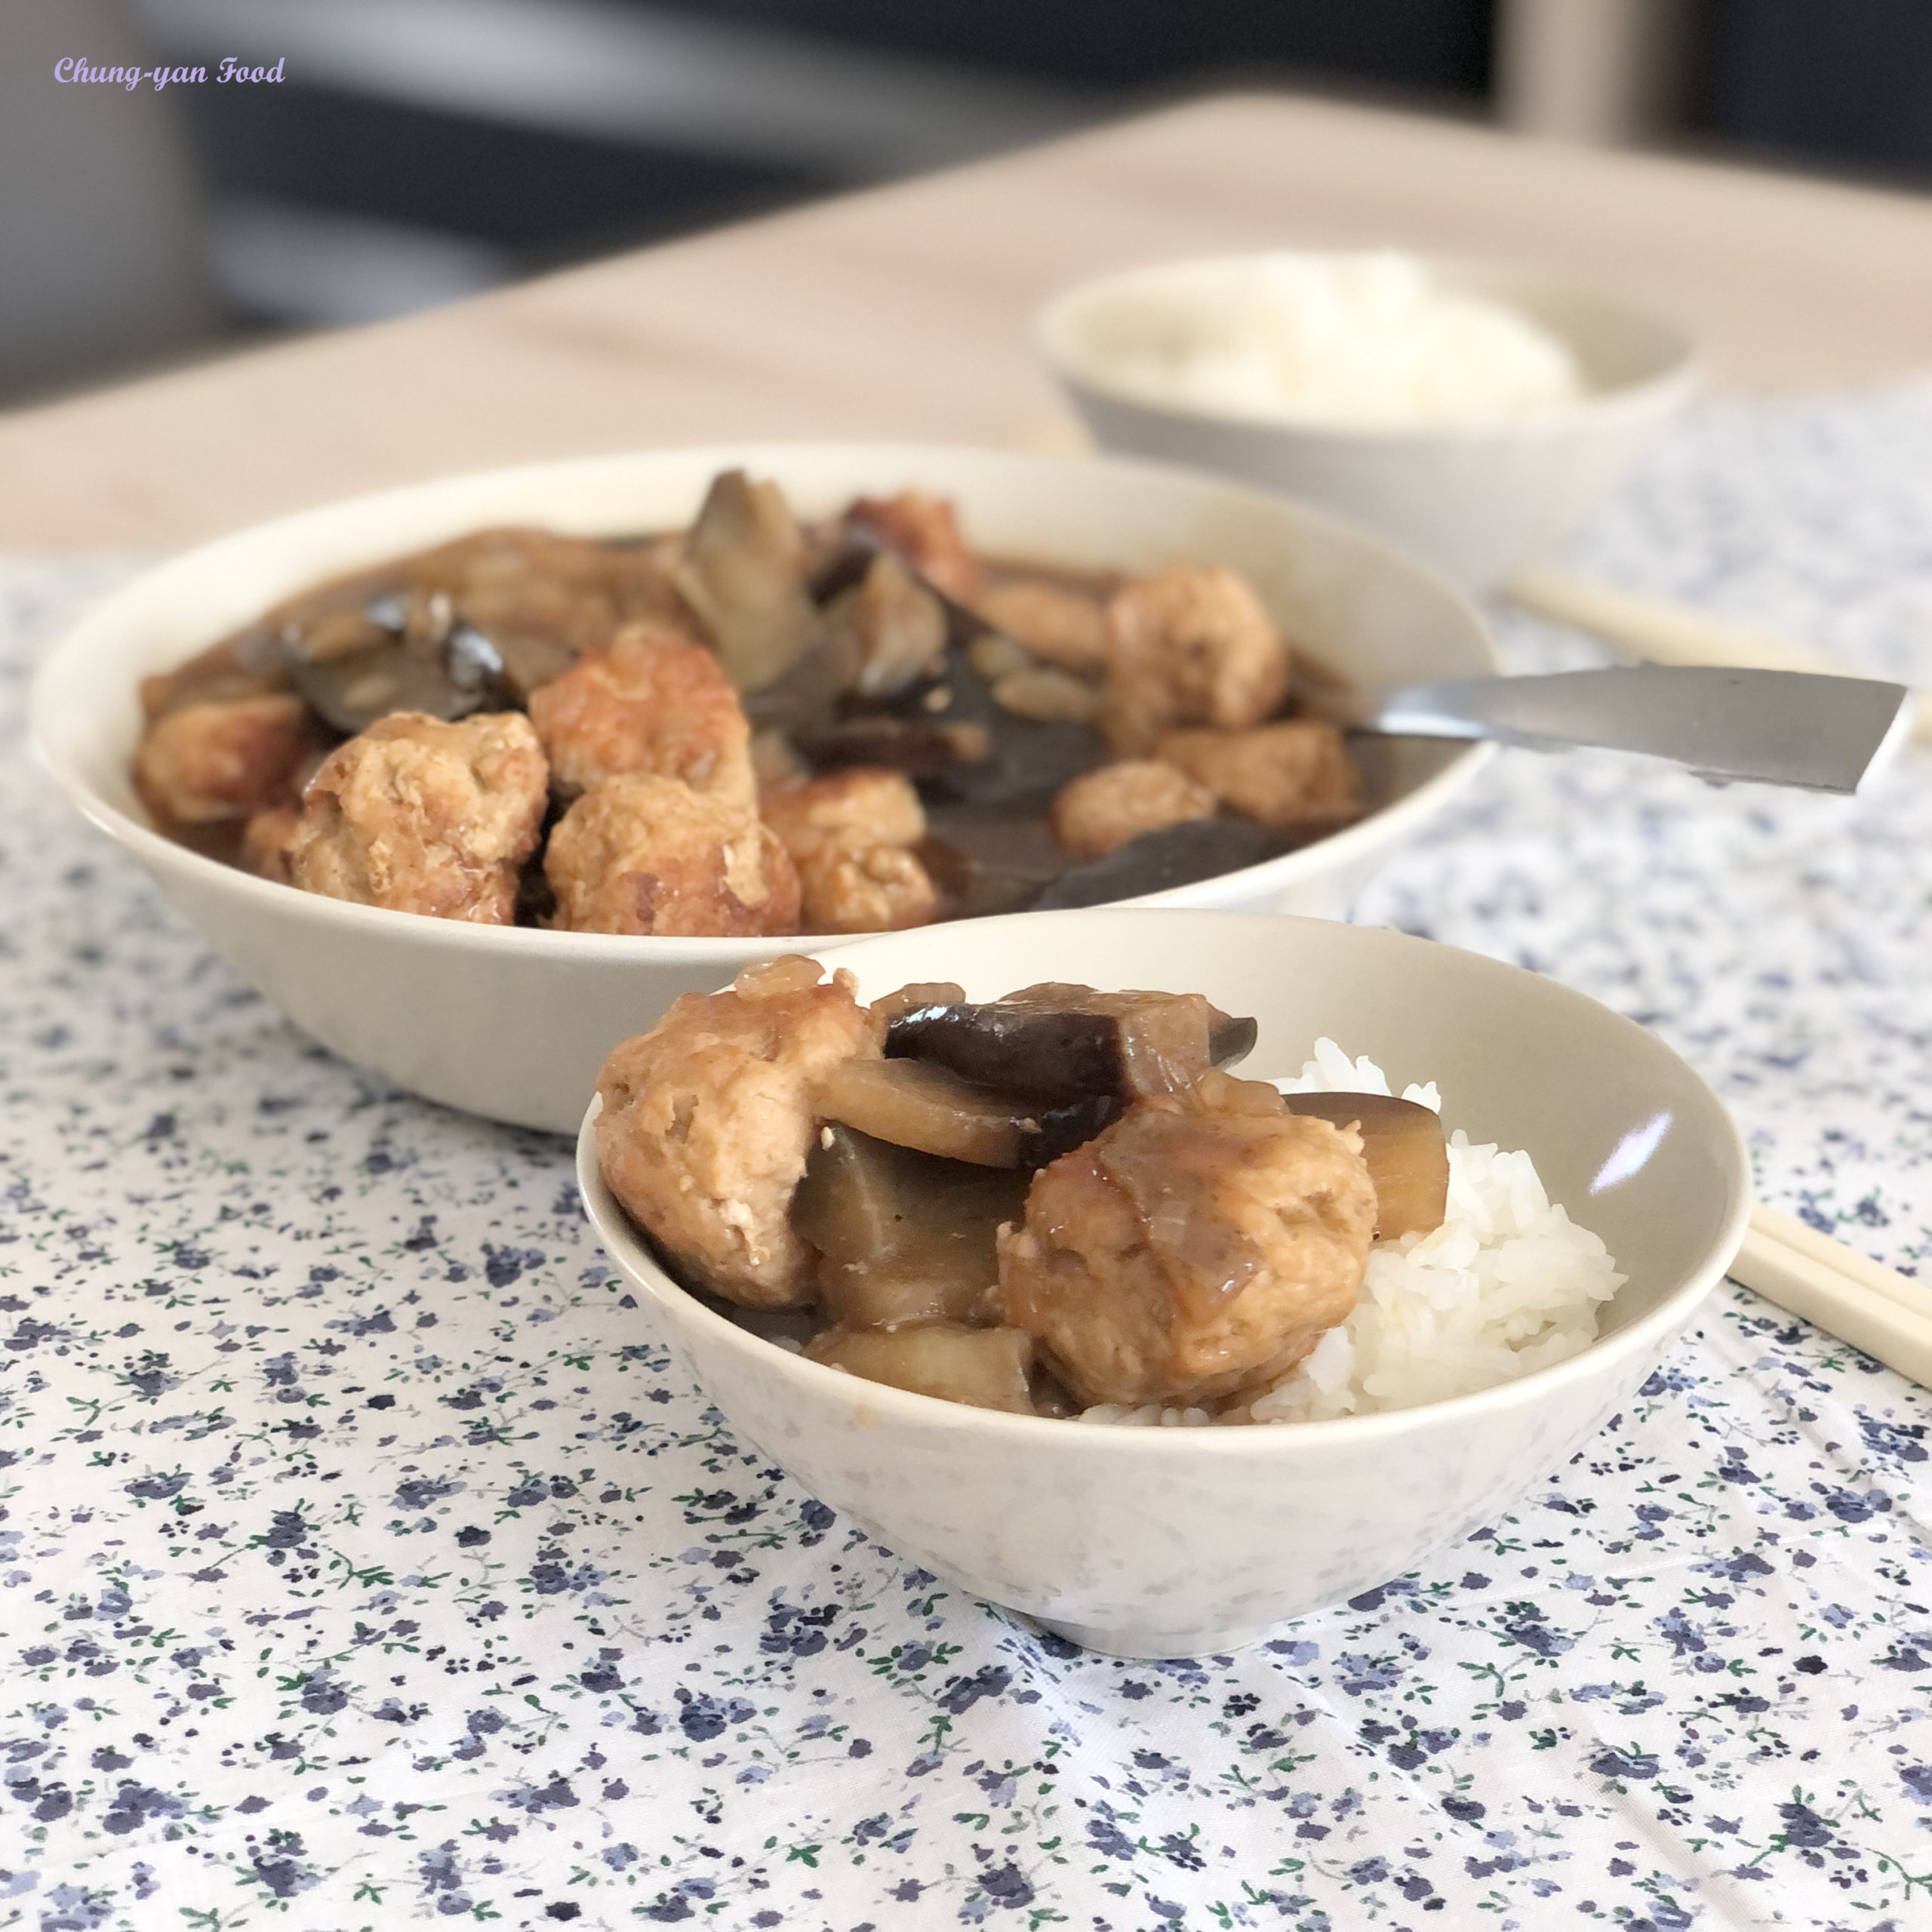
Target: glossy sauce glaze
753, 727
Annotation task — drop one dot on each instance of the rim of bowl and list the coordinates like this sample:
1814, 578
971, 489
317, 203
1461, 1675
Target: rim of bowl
1667, 386
161, 853
616, 1232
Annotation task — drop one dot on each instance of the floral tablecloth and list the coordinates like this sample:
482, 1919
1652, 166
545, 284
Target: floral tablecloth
363, 1561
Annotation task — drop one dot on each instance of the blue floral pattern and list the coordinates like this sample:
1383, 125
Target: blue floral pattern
363, 1561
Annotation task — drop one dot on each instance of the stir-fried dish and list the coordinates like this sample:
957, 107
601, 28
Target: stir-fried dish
755, 726
1039, 1204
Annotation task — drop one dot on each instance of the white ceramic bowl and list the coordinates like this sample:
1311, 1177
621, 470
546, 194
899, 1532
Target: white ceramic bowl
1472, 502
514, 1022
1156, 1542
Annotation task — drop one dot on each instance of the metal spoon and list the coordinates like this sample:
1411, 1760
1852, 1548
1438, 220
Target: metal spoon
1777, 727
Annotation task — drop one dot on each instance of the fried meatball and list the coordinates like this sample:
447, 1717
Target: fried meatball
1190, 646
1283, 774
1187, 1251
709, 1118
1101, 810
849, 834
224, 759
924, 531
654, 702
423, 816
881, 889
650, 855
1060, 626
862, 806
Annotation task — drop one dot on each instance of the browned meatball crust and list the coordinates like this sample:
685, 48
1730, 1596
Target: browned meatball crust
1188, 1251
878, 889
650, 855
225, 759
863, 805
849, 835
1285, 774
1100, 811
1190, 645
709, 1118
420, 815
653, 702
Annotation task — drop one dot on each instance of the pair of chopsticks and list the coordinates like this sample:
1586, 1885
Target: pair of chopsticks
1668, 633
1847, 1294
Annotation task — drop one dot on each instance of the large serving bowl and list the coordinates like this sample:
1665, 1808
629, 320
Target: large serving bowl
1169, 1542
513, 1023
1473, 501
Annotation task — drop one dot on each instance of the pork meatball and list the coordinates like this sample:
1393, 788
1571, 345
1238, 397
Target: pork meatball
849, 835
653, 701
924, 531
1190, 646
1285, 774
225, 759
644, 854
1189, 1250
424, 816
1059, 627
881, 889
862, 806
709, 1118
1100, 810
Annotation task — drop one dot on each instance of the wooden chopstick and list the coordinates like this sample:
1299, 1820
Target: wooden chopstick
1847, 1294
1669, 634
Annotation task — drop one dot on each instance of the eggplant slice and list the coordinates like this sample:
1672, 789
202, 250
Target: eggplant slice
903, 1236
1062, 1046
1407, 1157
1159, 861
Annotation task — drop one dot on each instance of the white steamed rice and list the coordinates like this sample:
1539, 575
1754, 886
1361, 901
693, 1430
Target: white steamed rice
1356, 339
1507, 1284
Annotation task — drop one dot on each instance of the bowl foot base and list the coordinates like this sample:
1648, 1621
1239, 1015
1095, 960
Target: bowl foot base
1132, 1642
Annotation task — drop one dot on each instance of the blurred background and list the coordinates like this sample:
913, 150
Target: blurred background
419, 151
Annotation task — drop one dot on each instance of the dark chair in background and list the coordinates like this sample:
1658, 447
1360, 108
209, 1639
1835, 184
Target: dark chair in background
101, 256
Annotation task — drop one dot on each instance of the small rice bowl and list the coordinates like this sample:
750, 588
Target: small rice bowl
1508, 1284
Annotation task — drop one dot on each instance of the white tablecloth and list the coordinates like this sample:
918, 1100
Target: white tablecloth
362, 1560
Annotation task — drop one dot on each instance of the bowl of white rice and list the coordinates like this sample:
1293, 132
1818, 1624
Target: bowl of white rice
1597, 1190
1473, 415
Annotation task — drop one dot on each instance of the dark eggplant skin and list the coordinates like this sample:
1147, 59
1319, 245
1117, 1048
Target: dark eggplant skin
1077, 1065
404, 667
1060, 1129
1230, 1040
996, 759
1027, 760
1043, 1056
1159, 861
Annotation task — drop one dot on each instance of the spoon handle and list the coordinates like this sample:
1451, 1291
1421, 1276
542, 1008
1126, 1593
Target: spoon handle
1777, 727
1664, 633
